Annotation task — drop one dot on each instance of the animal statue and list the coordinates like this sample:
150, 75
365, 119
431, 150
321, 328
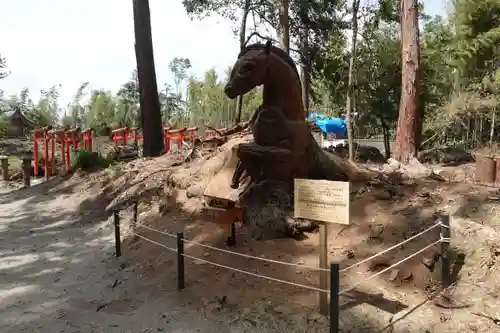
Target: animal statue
283, 148
267, 65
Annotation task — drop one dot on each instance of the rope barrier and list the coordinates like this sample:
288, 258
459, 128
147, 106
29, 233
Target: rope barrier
237, 253
156, 243
257, 275
391, 248
232, 268
289, 282
389, 268
298, 265
155, 230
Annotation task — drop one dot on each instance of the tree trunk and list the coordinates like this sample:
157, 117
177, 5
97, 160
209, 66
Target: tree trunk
492, 129
409, 117
284, 25
387, 144
150, 104
243, 29
305, 71
419, 127
350, 86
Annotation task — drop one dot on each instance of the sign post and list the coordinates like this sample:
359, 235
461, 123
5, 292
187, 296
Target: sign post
328, 202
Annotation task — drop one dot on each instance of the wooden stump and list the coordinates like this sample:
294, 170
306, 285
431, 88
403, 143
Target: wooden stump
27, 171
5, 167
485, 168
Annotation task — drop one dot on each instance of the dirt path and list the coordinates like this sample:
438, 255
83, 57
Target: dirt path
59, 275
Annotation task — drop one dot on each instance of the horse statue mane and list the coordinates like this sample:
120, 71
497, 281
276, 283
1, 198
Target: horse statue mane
277, 51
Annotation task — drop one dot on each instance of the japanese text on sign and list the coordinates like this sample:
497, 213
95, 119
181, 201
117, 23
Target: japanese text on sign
322, 200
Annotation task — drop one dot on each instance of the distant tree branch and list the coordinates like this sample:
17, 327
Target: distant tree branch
255, 33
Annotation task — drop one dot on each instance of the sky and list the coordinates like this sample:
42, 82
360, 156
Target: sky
69, 42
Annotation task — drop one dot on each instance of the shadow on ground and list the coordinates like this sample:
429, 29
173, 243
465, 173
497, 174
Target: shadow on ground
57, 263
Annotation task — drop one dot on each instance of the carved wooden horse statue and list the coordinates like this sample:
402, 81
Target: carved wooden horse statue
267, 65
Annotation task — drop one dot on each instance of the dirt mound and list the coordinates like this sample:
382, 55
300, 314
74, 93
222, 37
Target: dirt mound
167, 179
384, 213
364, 154
445, 155
179, 182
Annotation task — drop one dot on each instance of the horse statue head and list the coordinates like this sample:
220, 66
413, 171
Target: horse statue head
265, 64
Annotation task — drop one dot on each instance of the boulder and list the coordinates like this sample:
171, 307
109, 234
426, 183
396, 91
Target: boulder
362, 153
445, 155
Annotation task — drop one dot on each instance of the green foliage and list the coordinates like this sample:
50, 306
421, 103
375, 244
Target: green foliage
203, 102
206, 102
3, 125
88, 161
460, 78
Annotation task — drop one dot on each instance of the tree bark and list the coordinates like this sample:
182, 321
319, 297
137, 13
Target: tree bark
284, 25
306, 70
492, 128
409, 117
350, 86
387, 144
243, 29
148, 88
306, 83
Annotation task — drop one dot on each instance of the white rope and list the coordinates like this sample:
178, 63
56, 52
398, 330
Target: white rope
297, 265
257, 275
155, 230
237, 253
156, 243
389, 268
390, 249
258, 258
234, 269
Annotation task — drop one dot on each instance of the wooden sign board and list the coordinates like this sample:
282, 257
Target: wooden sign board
322, 200
221, 216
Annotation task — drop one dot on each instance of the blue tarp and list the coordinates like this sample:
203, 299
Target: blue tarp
328, 125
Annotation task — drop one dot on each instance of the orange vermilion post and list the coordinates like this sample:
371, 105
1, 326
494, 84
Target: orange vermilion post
46, 154
87, 139
68, 156
53, 153
120, 134
192, 132
166, 139
57, 135
179, 134
71, 139
35, 154
39, 133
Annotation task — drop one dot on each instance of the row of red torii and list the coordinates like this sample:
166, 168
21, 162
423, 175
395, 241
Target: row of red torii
68, 139
179, 135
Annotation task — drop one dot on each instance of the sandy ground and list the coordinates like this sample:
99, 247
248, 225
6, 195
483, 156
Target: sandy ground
58, 272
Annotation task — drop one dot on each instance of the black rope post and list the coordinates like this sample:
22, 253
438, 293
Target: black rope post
136, 206
334, 297
445, 249
180, 261
231, 240
118, 242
